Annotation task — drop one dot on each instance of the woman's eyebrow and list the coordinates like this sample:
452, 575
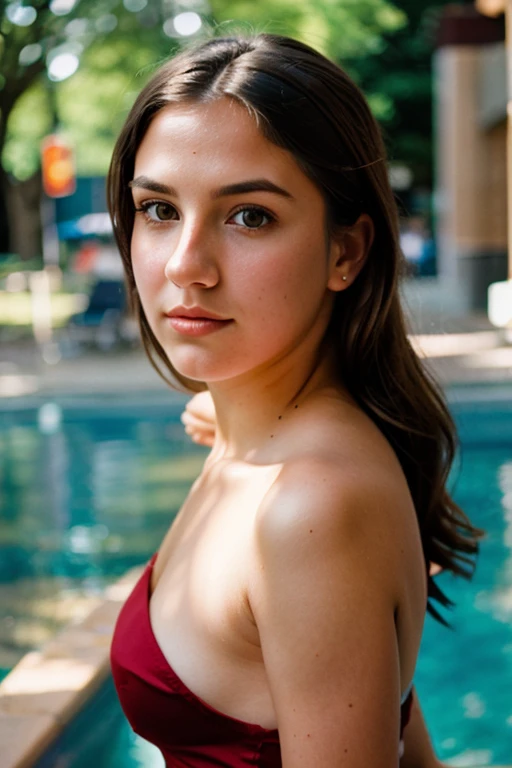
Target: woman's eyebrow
252, 185
238, 188
144, 182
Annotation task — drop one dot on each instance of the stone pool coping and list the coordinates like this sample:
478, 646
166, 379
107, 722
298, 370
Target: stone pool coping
48, 687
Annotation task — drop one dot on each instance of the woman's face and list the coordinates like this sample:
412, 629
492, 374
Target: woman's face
229, 245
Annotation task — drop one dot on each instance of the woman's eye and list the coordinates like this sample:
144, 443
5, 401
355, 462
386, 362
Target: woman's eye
158, 211
252, 218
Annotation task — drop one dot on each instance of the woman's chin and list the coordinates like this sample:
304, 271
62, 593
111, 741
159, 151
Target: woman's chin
201, 371
209, 367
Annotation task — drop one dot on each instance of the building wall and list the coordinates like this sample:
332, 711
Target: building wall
470, 97
492, 84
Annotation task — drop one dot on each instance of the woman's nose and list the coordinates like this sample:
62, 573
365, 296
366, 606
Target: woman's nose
192, 260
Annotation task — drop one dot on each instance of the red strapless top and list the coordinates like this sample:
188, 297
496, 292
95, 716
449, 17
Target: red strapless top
162, 710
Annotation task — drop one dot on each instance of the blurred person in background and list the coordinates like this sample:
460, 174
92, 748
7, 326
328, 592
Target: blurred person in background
418, 247
279, 623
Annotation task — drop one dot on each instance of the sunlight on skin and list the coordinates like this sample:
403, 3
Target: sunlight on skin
199, 420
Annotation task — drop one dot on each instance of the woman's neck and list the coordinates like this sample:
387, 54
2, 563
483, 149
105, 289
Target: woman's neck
252, 410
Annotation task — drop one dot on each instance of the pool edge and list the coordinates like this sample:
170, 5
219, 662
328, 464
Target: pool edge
47, 688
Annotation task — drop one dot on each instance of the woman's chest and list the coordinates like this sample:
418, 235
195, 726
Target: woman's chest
200, 580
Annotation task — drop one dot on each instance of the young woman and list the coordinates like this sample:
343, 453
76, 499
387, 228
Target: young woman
280, 621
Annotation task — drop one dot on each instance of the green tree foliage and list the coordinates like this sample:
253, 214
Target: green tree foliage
114, 47
115, 64
398, 82
116, 41
338, 28
385, 45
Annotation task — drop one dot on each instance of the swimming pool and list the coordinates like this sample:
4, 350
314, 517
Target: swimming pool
90, 486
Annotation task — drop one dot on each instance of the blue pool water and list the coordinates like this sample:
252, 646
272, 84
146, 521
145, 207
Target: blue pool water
87, 490
86, 496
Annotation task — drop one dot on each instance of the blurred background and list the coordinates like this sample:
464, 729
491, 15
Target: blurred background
93, 459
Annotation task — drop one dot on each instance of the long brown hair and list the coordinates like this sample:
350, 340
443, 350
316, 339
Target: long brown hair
306, 104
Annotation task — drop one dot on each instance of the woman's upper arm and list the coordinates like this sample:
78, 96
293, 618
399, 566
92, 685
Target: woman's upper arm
324, 602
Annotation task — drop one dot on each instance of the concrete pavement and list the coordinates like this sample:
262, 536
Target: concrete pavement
460, 348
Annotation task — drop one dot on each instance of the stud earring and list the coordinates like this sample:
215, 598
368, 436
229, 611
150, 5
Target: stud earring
344, 277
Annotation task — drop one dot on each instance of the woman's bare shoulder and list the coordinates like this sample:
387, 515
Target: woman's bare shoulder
324, 597
335, 436
340, 487
318, 492
336, 418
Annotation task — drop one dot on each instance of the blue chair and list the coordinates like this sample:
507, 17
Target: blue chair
101, 323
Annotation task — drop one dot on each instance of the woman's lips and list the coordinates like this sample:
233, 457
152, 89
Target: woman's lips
196, 326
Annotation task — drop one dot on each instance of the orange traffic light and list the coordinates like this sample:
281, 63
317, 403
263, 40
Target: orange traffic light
58, 167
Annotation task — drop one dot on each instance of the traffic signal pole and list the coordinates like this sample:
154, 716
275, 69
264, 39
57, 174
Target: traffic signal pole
50, 236
41, 283
58, 181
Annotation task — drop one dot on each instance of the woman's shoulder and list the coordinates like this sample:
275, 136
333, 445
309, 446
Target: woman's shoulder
340, 486
321, 531
333, 434
334, 495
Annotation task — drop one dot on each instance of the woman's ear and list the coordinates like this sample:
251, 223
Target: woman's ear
349, 249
